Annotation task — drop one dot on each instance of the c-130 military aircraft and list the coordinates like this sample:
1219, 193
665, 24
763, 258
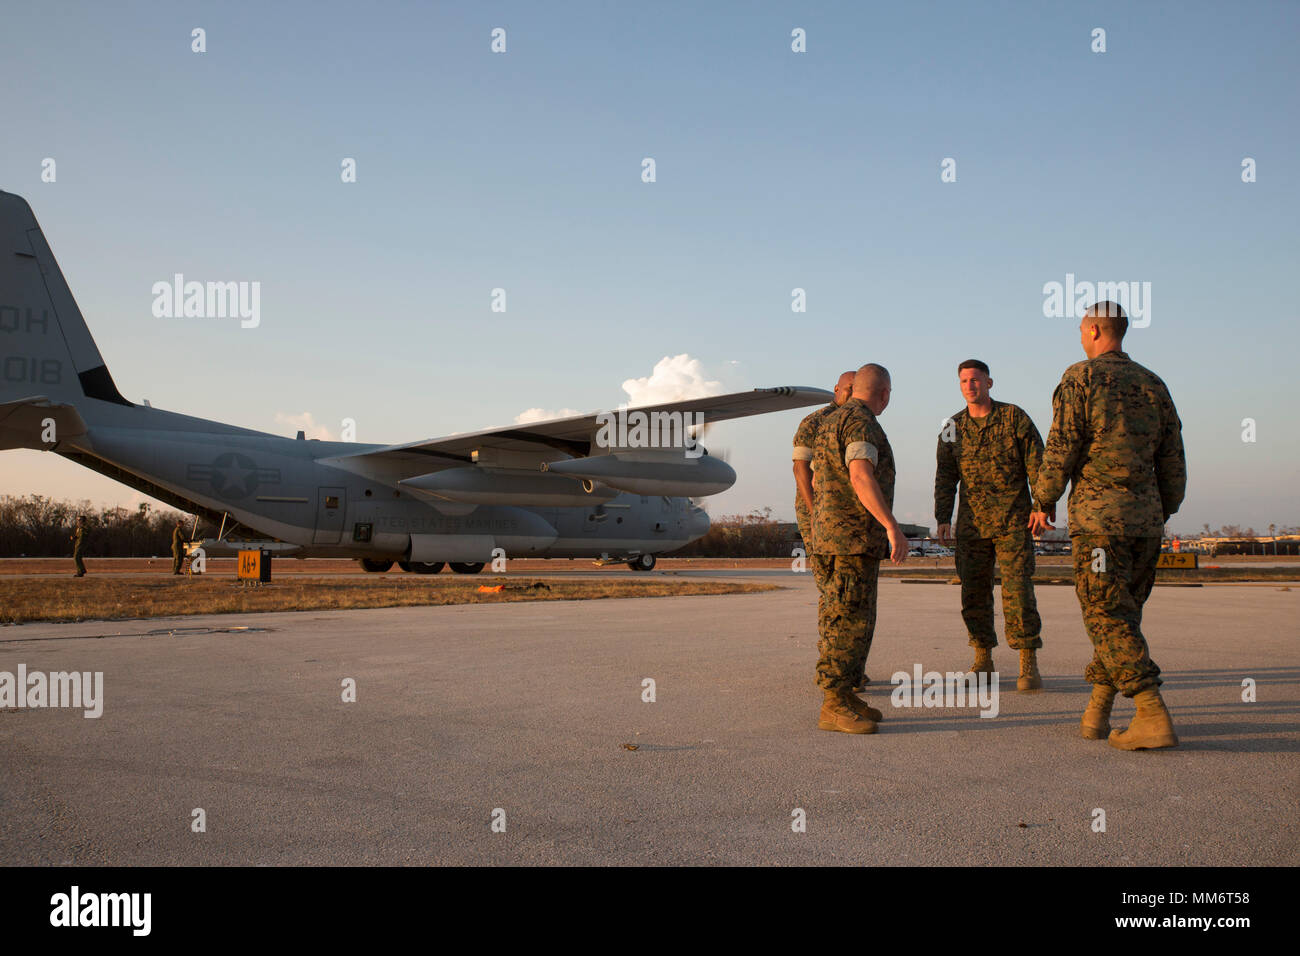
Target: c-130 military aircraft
543, 490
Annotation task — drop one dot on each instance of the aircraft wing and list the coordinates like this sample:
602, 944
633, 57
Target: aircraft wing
562, 438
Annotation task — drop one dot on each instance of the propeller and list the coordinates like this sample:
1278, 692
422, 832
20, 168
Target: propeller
722, 454
699, 432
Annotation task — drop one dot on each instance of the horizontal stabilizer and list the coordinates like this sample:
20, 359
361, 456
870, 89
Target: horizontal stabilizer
38, 423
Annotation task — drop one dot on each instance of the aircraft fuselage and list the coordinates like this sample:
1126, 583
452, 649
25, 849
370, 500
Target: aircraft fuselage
281, 488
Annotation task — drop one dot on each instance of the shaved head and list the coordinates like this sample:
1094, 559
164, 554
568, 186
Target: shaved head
1102, 329
844, 387
872, 385
870, 378
1109, 317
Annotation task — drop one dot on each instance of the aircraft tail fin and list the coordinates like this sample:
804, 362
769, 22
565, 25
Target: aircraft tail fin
45, 347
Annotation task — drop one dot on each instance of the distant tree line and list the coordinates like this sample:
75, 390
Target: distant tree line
755, 535
38, 527
34, 526
1236, 531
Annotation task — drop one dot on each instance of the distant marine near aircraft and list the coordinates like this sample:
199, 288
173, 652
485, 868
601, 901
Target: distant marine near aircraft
547, 489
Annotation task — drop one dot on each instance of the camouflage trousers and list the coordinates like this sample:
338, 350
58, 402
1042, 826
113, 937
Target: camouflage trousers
846, 617
1013, 554
1113, 577
178, 560
76, 558
805, 525
818, 569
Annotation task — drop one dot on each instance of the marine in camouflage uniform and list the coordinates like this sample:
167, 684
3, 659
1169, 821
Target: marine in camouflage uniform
1117, 439
993, 459
78, 540
178, 548
848, 544
805, 440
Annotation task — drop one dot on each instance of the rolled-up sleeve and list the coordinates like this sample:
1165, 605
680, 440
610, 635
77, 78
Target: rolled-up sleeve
858, 450
805, 437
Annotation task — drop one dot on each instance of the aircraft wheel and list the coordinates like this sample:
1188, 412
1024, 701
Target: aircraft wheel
644, 562
421, 567
375, 566
471, 567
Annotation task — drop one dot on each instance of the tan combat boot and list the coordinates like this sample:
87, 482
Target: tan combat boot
1096, 718
837, 714
1152, 727
1029, 678
862, 708
983, 661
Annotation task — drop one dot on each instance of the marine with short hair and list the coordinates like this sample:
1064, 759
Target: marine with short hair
1117, 439
992, 450
853, 528
805, 440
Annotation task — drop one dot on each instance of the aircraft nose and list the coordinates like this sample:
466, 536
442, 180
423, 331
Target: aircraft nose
699, 522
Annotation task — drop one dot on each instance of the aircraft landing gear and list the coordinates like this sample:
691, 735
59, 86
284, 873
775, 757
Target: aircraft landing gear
644, 562
471, 567
375, 566
421, 567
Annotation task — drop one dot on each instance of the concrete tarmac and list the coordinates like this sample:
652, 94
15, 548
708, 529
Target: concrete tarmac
528, 713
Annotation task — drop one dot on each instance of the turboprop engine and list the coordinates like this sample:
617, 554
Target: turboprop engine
478, 485
651, 472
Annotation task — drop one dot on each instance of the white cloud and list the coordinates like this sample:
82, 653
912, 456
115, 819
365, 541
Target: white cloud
543, 414
307, 423
674, 379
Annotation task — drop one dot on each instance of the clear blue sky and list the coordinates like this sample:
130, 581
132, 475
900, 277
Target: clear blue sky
775, 170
